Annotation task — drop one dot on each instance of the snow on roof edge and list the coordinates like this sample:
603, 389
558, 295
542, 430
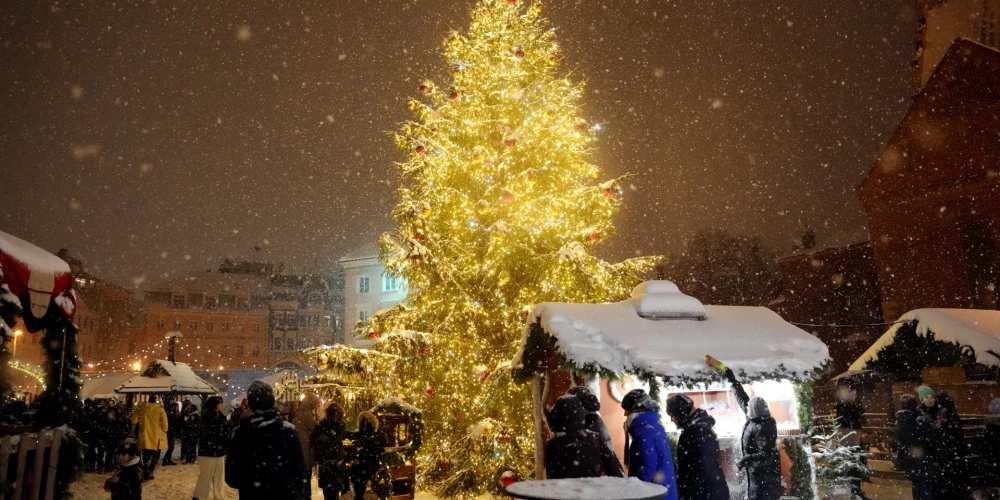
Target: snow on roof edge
979, 328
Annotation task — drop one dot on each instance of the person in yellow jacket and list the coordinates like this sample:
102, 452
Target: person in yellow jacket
152, 434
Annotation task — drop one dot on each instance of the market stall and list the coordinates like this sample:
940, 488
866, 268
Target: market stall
658, 338
36, 289
166, 378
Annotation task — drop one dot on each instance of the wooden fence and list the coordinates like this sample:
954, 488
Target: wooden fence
23, 460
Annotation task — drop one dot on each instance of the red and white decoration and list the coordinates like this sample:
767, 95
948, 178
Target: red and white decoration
35, 277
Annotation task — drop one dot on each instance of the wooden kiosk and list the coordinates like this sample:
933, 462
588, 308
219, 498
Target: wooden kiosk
658, 338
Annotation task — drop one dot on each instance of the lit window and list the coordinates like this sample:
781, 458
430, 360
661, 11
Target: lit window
363, 284
389, 284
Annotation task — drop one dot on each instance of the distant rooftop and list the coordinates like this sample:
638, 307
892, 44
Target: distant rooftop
368, 251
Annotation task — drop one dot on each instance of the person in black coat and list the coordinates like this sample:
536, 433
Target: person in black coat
327, 442
991, 438
609, 460
913, 443
850, 413
117, 430
175, 430
951, 452
265, 459
573, 450
191, 433
699, 473
126, 482
759, 442
369, 444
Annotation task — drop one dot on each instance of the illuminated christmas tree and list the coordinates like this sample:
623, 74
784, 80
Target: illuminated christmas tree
499, 210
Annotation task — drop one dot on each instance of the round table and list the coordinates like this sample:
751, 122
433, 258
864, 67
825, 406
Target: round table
588, 488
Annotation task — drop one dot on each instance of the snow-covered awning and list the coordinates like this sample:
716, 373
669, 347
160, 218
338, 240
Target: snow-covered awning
977, 328
103, 387
163, 377
657, 331
35, 276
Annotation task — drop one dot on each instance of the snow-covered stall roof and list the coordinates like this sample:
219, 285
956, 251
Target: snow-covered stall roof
973, 327
657, 330
164, 376
104, 386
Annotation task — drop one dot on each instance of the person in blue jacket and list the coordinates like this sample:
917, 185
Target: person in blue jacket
647, 456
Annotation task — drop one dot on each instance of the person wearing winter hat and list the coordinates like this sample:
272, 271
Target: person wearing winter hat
573, 450
265, 458
648, 455
609, 460
759, 441
913, 446
369, 444
699, 473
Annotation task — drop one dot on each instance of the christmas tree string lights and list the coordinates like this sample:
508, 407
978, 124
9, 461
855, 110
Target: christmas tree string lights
499, 210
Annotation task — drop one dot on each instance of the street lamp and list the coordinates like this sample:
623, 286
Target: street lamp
17, 333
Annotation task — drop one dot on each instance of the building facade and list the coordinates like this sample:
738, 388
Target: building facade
833, 293
931, 198
302, 315
944, 21
367, 290
224, 319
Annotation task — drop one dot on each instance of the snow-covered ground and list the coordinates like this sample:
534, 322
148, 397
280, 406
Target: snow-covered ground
177, 483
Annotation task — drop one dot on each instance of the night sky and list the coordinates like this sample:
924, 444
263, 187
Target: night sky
159, 137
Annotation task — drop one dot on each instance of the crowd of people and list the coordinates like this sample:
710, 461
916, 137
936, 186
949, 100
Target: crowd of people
255, 450
580, 445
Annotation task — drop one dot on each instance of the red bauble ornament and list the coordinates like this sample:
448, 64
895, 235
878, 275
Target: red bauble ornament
430, 392
486, 12
510, 143
420, 149
426, 350
594, 236
507, 478
519, 54
483, 375
435, 130
507, 196
511, 2
420, 236
609, 192
526, 312
503, 440
425, 88
453, 95
372, 334
578, 128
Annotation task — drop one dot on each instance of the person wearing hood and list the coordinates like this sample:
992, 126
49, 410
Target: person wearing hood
699, 473
951, 452
327, 444
369, 444
265, 458
759, 441
213, 441
648, 456
991, 438
609, 460
913, 449
573, 450
304, 422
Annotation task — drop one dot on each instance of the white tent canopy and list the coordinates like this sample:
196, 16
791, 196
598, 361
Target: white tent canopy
162, 377
658, 330
104, 386
977, 328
